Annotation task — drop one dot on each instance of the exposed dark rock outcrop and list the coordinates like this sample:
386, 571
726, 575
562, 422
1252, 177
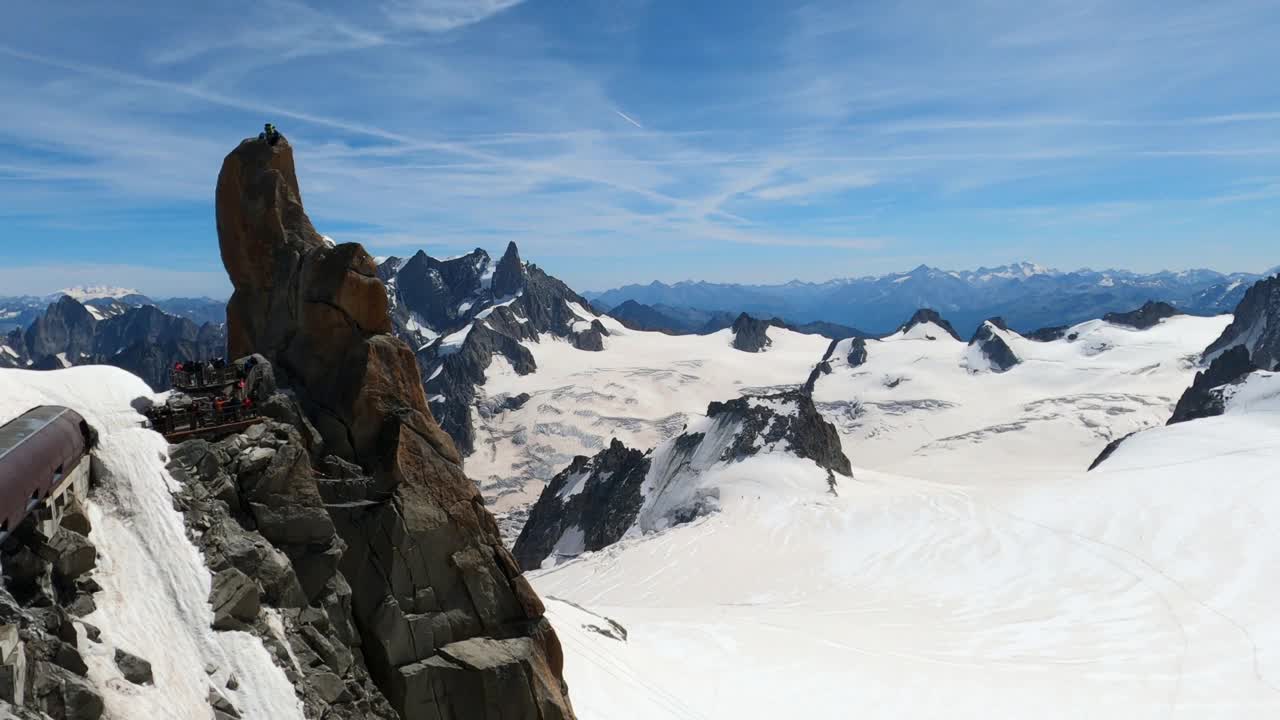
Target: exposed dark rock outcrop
1047, 334
521, 304
1108, 450
1256, 326
42, 673
462, 371
999, 355
822, 368
856, 356
750, 334
926, 315
802, 429
423, 560
857, 352
253, 503
66, 329
692, 321
1145, 317
438, 290
592, 338
595, 501
1204, 397
135, 669
600, 495
508, 276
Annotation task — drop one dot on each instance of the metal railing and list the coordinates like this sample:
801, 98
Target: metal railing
206, 377
203, 416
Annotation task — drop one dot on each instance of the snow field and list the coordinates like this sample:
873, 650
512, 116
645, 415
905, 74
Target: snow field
1144, 589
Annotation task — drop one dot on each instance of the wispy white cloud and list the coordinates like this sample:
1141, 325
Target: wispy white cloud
443, 15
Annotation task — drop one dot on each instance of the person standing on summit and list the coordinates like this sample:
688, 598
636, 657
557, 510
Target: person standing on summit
269, 133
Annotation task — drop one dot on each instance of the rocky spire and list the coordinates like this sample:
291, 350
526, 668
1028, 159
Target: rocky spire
508, 276
750, 334
449, 627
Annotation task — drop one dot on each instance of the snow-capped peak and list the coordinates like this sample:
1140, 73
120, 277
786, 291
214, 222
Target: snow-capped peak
95, 292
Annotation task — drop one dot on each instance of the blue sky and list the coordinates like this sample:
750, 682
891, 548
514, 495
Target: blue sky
626, 140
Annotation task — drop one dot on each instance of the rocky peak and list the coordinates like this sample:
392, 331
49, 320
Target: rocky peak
1204, 397
750, 334
66, 328
1145, 317
1256, 326
442, 292
148, 324
600, 494
788, 421
999, 323
508, 276
388, 268
497, 322
423, 556
1048, 334
596, 501
988, 342
925, 316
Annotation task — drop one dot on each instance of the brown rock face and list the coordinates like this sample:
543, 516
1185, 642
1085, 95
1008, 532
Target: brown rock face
445, 617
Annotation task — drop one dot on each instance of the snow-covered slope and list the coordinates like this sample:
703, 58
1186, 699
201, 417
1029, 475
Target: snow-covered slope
1143, 589
642, 388
155, 586
922, 400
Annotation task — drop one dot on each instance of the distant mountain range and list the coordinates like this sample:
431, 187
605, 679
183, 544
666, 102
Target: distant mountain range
693, 321
100, 326
104, 302
1028, 296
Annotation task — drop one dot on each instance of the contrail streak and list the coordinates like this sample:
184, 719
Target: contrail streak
628, 118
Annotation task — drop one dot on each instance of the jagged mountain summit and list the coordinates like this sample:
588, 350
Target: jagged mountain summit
20, 312
1027, 295
463, 313
142, 339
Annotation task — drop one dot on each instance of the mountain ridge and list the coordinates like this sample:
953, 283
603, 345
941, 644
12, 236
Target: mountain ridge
1029, 296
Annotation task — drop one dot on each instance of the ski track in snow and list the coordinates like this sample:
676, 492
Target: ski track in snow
155, 585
